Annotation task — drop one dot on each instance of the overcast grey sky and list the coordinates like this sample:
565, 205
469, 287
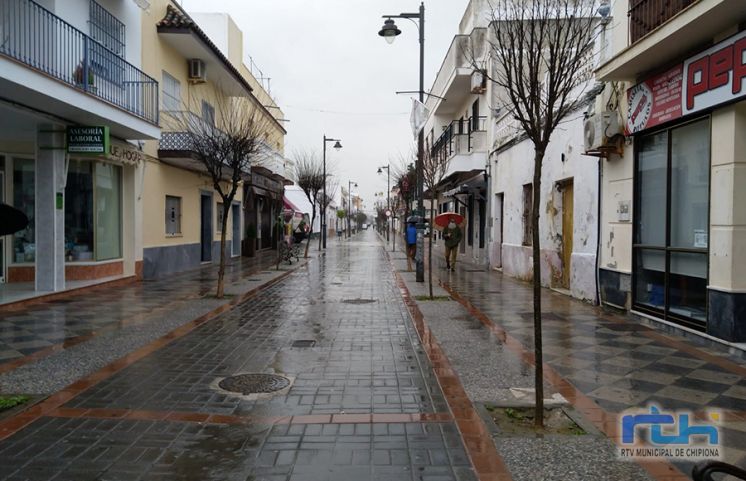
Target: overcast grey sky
332, 74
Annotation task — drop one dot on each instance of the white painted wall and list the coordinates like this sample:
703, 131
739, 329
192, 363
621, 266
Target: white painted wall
512, 170
77, 13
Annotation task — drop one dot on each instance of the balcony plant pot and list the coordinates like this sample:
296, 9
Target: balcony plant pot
82, 83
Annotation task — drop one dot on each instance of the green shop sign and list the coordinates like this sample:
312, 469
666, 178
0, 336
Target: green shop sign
88, 140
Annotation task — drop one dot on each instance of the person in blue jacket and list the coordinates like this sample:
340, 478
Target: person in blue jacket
411, 243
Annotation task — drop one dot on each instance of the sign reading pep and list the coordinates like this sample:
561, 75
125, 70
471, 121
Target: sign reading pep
713, 77
716, 75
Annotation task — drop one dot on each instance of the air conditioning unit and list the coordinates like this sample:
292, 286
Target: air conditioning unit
197, 72
478, 82
599, 130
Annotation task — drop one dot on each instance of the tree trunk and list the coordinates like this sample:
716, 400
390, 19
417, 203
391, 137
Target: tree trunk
221, 269
538, 351
430, 253
310, 233
322, 229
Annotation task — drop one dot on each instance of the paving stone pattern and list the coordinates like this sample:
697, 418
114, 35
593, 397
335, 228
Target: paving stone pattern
366, 359
39, 326
81, 449
617, 361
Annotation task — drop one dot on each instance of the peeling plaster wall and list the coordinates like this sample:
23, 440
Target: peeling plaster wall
512, 170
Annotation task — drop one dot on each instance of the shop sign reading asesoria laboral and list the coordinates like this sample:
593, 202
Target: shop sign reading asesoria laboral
708, 79
87, 140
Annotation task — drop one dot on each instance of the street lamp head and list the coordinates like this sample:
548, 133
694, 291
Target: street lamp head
380, 170
389, 31
337, 145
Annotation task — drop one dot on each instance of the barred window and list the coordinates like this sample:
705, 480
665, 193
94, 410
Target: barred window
106, 29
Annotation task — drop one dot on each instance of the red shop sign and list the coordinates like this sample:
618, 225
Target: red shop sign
710, 78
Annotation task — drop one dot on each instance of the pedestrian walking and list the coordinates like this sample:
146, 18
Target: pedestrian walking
411, 243
452, 235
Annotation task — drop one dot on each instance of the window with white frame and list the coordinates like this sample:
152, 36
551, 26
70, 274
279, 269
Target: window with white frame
171, 93
173, 215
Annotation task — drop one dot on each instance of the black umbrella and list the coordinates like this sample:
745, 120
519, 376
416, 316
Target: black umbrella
11, 220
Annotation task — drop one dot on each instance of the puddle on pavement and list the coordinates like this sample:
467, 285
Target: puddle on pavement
219, 453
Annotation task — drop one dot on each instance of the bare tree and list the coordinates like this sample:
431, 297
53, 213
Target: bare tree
309, 175
541, 53
227, 143
435, 165
332, 185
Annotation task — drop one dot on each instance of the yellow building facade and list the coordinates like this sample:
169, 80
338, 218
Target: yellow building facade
198, 75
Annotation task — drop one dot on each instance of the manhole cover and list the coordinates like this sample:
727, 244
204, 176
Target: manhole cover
304, 343
359, 301
254, 383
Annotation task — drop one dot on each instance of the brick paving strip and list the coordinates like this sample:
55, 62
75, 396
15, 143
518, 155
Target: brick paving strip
144, 415
53, 403
10, 365
403, 425
487, 463
607, 422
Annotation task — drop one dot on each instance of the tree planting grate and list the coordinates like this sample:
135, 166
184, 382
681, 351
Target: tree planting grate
359, 301
304, 343
254, 383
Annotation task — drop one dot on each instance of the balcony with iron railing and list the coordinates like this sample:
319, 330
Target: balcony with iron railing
647, 15
462, 137
179, 130
664, 31
37, 38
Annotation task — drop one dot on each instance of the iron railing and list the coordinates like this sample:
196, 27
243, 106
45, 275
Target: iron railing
36, 37
647, 15
457, 136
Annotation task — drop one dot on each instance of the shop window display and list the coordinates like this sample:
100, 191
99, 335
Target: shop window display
24, 198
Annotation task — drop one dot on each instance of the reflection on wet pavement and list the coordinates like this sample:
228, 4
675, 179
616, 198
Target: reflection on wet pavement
56, 323
611, 361
163, 417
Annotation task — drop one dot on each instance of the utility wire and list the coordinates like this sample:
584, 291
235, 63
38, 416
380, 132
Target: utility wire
337, 112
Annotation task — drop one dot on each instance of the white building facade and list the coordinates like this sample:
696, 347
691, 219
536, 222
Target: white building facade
74, 106
673, 241
491, 171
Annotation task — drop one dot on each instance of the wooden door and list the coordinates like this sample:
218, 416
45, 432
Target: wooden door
567, 231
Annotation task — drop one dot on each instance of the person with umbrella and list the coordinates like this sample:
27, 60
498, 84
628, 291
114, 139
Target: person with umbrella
452, 235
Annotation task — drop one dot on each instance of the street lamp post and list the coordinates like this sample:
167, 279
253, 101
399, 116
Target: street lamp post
390, 32
337, 146
388, 195
349, 207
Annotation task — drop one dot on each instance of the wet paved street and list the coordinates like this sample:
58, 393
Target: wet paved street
49, 325
364, 402
605, 363
367, 399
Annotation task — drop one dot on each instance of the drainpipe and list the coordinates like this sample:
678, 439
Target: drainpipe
598, 233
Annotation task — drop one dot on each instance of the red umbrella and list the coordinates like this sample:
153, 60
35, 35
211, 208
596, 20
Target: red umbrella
442, 220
